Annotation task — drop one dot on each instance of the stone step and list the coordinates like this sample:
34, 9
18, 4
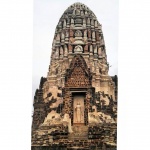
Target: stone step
77, 148
79, 132
78, 138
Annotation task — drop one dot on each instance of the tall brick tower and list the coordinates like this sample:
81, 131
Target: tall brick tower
75, 106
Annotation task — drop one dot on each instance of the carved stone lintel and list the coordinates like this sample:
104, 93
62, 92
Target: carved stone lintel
78, 33
78, 49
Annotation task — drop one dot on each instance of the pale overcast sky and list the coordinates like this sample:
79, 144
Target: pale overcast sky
46, 16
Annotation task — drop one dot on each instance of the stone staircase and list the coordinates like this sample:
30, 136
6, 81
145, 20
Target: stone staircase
79, 132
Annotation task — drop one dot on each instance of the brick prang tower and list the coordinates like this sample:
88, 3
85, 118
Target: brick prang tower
75, 106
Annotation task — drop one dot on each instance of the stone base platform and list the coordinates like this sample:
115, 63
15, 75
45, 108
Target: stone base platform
77, 145
93, 137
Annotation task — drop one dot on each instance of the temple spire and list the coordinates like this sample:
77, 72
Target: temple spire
77, 100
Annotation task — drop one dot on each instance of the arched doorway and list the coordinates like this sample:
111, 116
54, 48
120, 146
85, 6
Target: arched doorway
78, 91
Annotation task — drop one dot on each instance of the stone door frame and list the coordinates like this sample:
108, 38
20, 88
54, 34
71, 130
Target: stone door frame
72, 102
68, 101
